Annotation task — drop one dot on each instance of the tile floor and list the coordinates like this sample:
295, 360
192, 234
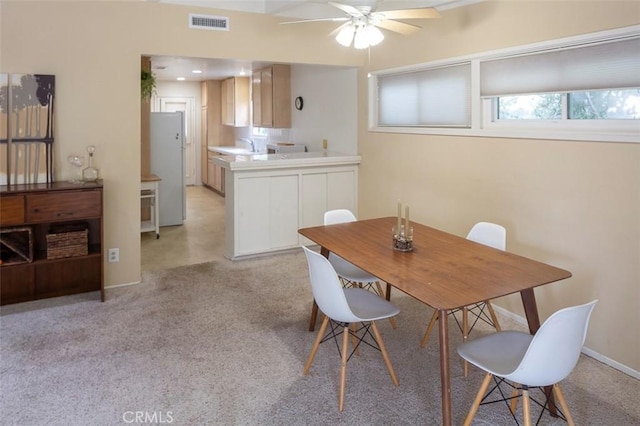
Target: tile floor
200, 239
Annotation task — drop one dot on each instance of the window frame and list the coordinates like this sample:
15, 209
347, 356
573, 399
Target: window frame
483, 109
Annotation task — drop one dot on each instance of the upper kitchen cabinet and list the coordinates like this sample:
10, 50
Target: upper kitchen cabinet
235, 102
271, 89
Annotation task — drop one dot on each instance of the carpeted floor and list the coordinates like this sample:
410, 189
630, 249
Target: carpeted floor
224, 343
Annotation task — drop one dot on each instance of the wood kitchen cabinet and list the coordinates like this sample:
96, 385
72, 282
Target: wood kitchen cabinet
215, 173
203, 144
235, 101
51, 240
271, 96
213, 133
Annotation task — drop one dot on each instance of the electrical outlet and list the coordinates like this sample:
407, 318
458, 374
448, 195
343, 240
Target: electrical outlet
324, 144
114, 255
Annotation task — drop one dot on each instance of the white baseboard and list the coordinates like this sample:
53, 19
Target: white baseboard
589, 352
123, 285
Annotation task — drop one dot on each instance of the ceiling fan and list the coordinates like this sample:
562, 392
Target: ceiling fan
361, 23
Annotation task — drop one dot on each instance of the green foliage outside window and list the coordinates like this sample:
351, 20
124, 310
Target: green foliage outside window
612, 104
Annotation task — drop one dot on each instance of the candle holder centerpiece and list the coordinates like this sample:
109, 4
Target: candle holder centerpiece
402, 233
403, 240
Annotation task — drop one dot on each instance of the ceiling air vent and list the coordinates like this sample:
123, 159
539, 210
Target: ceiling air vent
208, 22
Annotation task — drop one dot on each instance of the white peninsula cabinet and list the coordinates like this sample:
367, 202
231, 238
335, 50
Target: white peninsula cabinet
269, 197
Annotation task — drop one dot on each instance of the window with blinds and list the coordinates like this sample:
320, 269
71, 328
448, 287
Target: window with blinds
595, 81
428, 97
584, 87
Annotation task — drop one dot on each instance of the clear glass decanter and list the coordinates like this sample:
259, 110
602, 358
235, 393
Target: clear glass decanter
90, 173
77, 162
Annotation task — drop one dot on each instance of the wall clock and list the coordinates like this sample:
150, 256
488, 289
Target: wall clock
299, 103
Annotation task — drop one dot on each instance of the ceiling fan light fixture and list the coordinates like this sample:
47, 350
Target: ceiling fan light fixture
360, 40
361, 23
366, 36
345, 36
374, 35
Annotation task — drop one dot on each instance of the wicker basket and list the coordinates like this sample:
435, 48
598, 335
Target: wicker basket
68, 241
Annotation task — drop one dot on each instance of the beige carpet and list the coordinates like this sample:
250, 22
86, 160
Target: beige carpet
223, 343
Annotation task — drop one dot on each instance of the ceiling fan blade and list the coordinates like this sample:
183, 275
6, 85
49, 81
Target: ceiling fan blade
398, 27
423, 13
318, 20
347, 8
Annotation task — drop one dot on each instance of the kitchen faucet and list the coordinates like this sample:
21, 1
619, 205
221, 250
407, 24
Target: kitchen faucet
250, 142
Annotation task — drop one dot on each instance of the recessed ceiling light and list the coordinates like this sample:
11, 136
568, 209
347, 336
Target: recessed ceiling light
197, 71
180, 78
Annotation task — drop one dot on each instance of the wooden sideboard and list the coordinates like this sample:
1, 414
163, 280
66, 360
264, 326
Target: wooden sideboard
51, 240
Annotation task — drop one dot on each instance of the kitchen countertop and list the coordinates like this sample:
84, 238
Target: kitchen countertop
231, 150
289, 160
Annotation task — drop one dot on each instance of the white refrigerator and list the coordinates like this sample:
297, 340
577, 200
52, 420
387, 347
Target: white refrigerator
167, 162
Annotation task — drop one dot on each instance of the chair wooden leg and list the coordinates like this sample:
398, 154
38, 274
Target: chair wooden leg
392, 321
563, 404
385, 354
494, 318
513, 406
434, 318
316, 344
465, 335
343, 369
476, 402
526, 409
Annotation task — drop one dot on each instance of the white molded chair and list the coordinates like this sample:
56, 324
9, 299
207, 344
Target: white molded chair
543, 359
346, 307
492, 235
349, 274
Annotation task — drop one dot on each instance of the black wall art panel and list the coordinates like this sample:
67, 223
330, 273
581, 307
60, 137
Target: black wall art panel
26, 128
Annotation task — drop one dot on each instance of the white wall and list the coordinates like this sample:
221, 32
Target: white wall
330, 109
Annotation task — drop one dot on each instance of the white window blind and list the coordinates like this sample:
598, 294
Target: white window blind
427, 97
605, 65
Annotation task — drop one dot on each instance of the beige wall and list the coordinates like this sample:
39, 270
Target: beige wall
571, 204
94, 49
575, 205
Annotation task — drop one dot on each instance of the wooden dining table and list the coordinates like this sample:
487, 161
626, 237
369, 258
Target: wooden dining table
443, 271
